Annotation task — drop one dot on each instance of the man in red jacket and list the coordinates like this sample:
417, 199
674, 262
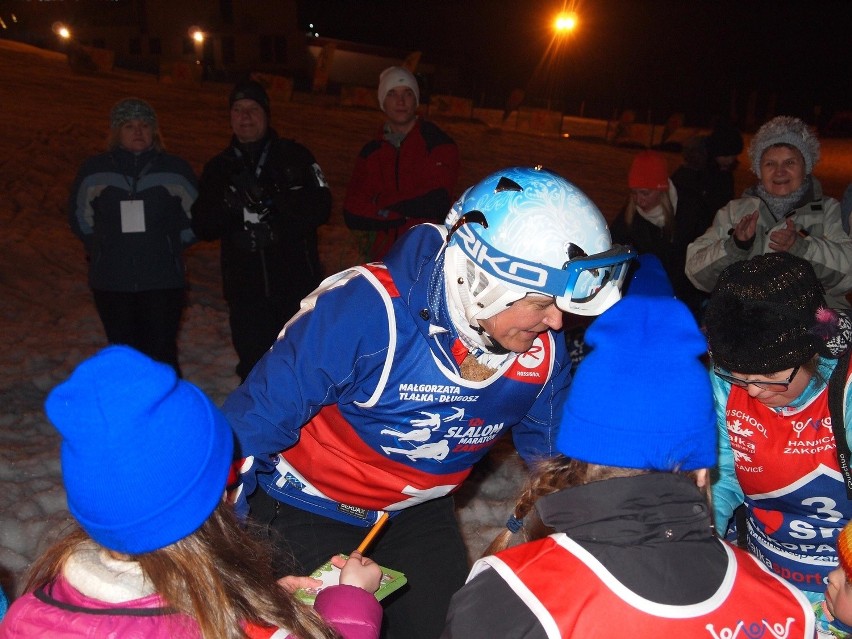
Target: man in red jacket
407, 174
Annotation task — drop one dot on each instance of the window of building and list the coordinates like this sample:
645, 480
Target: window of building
280, 49
155, 46
135, 47
229, 51
226, 10
273, 49
266, 49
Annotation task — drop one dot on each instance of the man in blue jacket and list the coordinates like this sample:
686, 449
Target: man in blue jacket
395, 378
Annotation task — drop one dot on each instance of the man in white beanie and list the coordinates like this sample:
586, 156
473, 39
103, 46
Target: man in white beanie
407, 174
786, 211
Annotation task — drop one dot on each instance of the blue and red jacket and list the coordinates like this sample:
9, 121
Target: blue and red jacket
360, 406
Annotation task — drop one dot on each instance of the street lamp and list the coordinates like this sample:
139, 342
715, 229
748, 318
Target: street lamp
197, 36
565, 23
61, 30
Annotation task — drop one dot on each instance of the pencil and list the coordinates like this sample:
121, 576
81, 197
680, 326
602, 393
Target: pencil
372, 534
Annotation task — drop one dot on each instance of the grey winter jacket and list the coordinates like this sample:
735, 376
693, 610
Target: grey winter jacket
822, 242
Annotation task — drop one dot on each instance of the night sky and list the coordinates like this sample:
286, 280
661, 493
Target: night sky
699, 57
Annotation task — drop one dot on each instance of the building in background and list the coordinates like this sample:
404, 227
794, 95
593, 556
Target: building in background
224, 37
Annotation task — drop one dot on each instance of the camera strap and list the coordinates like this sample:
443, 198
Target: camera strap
261, 160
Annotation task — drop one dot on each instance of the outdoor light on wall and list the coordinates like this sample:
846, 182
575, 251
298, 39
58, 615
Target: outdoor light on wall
61, 30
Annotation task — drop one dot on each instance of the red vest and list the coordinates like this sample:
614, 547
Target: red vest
573, 595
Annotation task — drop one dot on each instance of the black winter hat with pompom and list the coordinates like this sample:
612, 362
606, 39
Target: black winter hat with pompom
761, 314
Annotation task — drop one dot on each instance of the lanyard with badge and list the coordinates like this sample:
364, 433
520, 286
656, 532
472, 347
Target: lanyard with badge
132, 209
252, 215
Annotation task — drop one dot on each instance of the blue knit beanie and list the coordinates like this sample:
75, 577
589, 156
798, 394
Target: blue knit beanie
642, 397
648, 277
145, 455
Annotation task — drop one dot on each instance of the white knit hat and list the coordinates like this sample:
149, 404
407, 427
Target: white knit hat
784, 129
393, 77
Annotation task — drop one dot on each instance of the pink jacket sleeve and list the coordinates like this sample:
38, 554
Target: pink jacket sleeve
351, 611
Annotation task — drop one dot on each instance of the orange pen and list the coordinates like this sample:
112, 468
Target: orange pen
372, 534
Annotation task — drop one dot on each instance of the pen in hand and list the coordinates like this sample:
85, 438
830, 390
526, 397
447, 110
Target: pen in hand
362, 547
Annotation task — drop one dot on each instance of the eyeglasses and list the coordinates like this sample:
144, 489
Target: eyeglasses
778, 387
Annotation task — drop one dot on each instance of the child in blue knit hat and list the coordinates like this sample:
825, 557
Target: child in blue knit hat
618, 527
158, 553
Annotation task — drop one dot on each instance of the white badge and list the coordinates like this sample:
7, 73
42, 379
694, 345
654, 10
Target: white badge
250, 216
132, 216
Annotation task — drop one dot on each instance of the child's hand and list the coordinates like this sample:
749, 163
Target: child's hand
359, 571
291, 583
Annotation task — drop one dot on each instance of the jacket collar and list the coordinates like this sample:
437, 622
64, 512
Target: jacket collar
95, 574
628, 511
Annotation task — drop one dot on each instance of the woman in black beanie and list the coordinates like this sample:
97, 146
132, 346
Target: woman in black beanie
774, 346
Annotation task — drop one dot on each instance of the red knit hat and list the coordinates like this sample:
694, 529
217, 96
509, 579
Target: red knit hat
649, 171
844, 551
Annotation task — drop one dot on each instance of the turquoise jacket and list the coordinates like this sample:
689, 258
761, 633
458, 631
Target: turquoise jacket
727, 493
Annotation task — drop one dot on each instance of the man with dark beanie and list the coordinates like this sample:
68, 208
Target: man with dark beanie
264, 198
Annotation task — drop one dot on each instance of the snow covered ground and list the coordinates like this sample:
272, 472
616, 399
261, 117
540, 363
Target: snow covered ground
53, 119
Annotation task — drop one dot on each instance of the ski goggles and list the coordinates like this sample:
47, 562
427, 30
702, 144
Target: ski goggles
579, 280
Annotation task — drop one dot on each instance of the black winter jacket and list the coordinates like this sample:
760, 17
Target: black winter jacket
645, 237
142, 256
271, 251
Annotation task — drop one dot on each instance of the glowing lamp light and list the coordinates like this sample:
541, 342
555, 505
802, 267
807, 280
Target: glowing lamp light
61, 30
565, 22
196, 34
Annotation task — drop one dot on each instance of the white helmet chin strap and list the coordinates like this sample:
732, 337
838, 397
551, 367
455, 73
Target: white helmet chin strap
466, 307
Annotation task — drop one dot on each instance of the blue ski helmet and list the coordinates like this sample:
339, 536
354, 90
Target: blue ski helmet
527, 230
